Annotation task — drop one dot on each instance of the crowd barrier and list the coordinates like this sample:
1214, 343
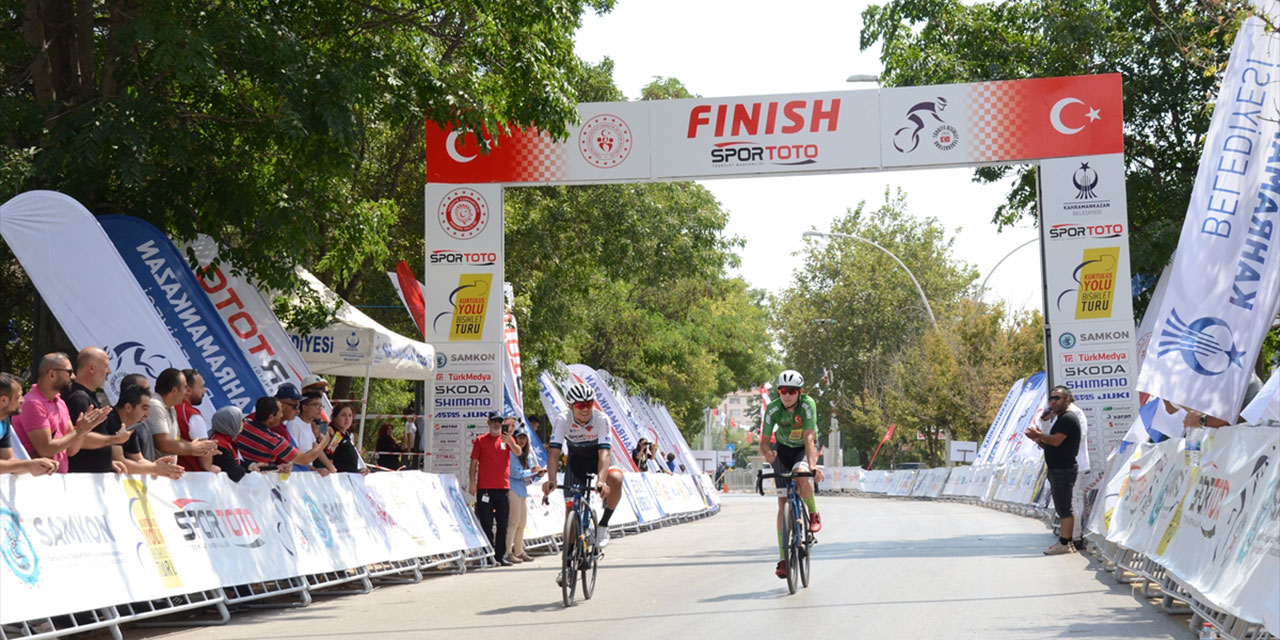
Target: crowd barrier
1196, 519
86, 551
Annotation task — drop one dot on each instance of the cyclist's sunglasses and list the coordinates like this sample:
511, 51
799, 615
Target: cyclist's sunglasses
788, 390
583, 405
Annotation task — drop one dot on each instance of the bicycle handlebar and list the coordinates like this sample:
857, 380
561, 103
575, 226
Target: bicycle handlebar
761, 476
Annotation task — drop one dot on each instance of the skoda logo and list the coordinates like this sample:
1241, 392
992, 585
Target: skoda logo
1067, 340
16, 548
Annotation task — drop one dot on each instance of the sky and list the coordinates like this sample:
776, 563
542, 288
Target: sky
721, 48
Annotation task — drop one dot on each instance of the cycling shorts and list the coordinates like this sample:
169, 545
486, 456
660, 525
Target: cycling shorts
578, 467
786, 460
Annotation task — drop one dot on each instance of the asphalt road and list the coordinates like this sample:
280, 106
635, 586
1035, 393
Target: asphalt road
882, 569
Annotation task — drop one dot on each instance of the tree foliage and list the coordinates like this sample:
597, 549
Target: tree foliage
282, 129
1170, 52
854, 326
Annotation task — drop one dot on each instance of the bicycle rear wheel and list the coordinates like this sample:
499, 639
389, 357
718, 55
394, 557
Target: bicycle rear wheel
569, 557
789, 534
590, 554
802, 544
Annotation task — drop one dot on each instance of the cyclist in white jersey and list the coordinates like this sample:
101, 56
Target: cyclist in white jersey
583, 434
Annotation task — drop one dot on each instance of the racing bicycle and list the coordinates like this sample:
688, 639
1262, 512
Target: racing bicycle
579, 554
795, 528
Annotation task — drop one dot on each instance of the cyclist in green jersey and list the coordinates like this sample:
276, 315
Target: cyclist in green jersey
792, 418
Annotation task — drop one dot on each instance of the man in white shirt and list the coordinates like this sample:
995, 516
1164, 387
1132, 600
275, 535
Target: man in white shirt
302, 427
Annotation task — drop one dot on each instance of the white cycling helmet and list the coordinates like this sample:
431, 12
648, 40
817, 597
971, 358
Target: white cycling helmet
580, 392
790, 378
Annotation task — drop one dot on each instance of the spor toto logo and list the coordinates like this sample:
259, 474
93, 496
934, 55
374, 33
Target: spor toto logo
463, 213
604, 141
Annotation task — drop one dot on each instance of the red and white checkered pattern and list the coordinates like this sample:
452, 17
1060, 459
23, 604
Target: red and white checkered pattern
538, 158
996, 122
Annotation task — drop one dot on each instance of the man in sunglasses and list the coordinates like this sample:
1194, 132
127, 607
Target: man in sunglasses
1060, 444
792, 418
583, 432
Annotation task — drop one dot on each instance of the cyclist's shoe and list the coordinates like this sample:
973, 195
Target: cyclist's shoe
602, 537
815, 523
781, 571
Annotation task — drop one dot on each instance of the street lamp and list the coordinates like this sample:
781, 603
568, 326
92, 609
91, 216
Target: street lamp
863, 77
831, 234
983, 287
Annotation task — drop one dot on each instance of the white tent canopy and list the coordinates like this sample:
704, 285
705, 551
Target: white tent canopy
358, 346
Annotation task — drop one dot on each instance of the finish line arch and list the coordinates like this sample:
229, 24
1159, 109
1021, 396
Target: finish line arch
1070, 127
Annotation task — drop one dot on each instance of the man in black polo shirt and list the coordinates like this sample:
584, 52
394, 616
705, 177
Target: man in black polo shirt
1060, 444
131, 408
94, 456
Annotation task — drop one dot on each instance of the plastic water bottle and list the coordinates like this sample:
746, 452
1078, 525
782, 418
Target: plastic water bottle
1208, 631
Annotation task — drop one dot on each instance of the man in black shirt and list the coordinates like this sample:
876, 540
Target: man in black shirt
126, 455
1060, 445
94, 456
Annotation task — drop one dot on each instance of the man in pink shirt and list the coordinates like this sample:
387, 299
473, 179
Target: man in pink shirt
43, 424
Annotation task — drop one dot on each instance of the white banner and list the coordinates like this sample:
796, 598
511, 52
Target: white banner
98, 302
1224, 286
249, 316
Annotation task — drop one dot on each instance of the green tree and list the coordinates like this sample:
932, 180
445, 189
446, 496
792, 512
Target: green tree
275, 128
1170, 52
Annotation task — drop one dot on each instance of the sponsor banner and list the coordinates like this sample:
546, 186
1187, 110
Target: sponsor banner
642, 497
990, 122
83, 541
465, 387
610, 145
1224, 284
998, 423
262, 339
807, 132
464, 258
98, 303
188, 313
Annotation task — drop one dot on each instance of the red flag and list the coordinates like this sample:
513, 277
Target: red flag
888, 434
412, 296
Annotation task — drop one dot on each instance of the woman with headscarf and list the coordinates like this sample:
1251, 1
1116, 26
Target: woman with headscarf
226, 424
388, 447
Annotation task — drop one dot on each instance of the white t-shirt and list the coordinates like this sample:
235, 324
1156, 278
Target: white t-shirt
303, 437
1082, 456
162, 419
566, 429
197, 427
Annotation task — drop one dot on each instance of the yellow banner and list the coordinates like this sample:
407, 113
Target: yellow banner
140, 509
469, 307
1097, 283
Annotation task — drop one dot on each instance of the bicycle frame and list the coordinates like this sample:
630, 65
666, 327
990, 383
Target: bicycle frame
579, 552
799, 538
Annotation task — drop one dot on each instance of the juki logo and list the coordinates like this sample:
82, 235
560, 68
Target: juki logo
1200, 344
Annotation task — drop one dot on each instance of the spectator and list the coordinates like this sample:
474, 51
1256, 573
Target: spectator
535, 426
346, 458
307, 428
640, 455
259, 442
96, 452
490, 481
10, 400
410, 441
146, 444
524, 471
721, 468
1060, 447
388, 447
162, 422
125, 454
192, 425
313, 383
43, 425
226, 424
655, 460
671, 462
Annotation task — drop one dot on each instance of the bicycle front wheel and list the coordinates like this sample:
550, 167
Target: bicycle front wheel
802, 544
789, 534
569, 557
590, 554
